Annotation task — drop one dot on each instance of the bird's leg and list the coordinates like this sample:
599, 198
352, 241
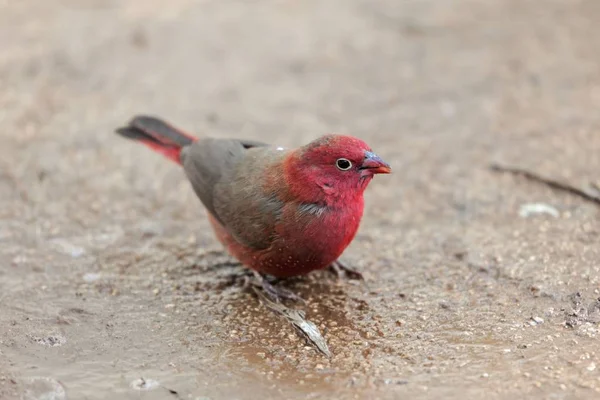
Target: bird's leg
274, 292
339, 268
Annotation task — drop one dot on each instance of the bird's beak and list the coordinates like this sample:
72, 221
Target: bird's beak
374, 164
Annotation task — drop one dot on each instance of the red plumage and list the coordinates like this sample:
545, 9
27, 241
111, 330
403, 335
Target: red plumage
172, 153
279, 212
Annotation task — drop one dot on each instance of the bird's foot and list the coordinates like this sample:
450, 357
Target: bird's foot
276, 293
340, 268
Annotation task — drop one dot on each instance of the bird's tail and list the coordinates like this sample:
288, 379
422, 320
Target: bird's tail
158, 135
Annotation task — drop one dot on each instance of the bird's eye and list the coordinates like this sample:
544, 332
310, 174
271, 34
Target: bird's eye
343, 164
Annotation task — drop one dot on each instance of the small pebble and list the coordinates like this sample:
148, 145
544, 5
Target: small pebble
91, 277
144, 384
592, 366
533, 321
529, 209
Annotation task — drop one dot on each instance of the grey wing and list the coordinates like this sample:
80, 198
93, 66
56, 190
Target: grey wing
207, 160
226, 176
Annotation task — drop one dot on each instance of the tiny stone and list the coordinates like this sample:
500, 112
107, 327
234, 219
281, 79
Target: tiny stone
91, 277
144, 384
19, 260
529, 209
592, 366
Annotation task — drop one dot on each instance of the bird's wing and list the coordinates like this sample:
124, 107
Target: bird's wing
228, 176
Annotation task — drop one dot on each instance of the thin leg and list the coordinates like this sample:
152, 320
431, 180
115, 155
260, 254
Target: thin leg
340, 268
274, 292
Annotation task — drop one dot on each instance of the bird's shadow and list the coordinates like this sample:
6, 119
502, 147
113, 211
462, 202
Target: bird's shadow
217, 271
327, 297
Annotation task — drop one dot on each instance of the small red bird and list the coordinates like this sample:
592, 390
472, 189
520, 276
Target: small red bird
279, 212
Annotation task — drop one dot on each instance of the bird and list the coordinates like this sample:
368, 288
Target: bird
280, 212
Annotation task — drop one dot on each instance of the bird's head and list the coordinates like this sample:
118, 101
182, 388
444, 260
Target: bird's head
333, 167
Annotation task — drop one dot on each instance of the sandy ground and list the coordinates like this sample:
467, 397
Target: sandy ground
108, 270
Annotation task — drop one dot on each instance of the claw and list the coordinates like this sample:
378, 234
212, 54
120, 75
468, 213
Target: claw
276, 293
340, 268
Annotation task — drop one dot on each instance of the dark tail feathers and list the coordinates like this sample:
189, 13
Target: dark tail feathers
158, 135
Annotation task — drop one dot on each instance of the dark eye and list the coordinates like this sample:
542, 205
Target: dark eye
343, 164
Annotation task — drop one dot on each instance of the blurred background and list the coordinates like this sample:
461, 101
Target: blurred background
105, 263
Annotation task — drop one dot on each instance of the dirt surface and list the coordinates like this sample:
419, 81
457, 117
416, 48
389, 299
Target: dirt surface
112, 285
